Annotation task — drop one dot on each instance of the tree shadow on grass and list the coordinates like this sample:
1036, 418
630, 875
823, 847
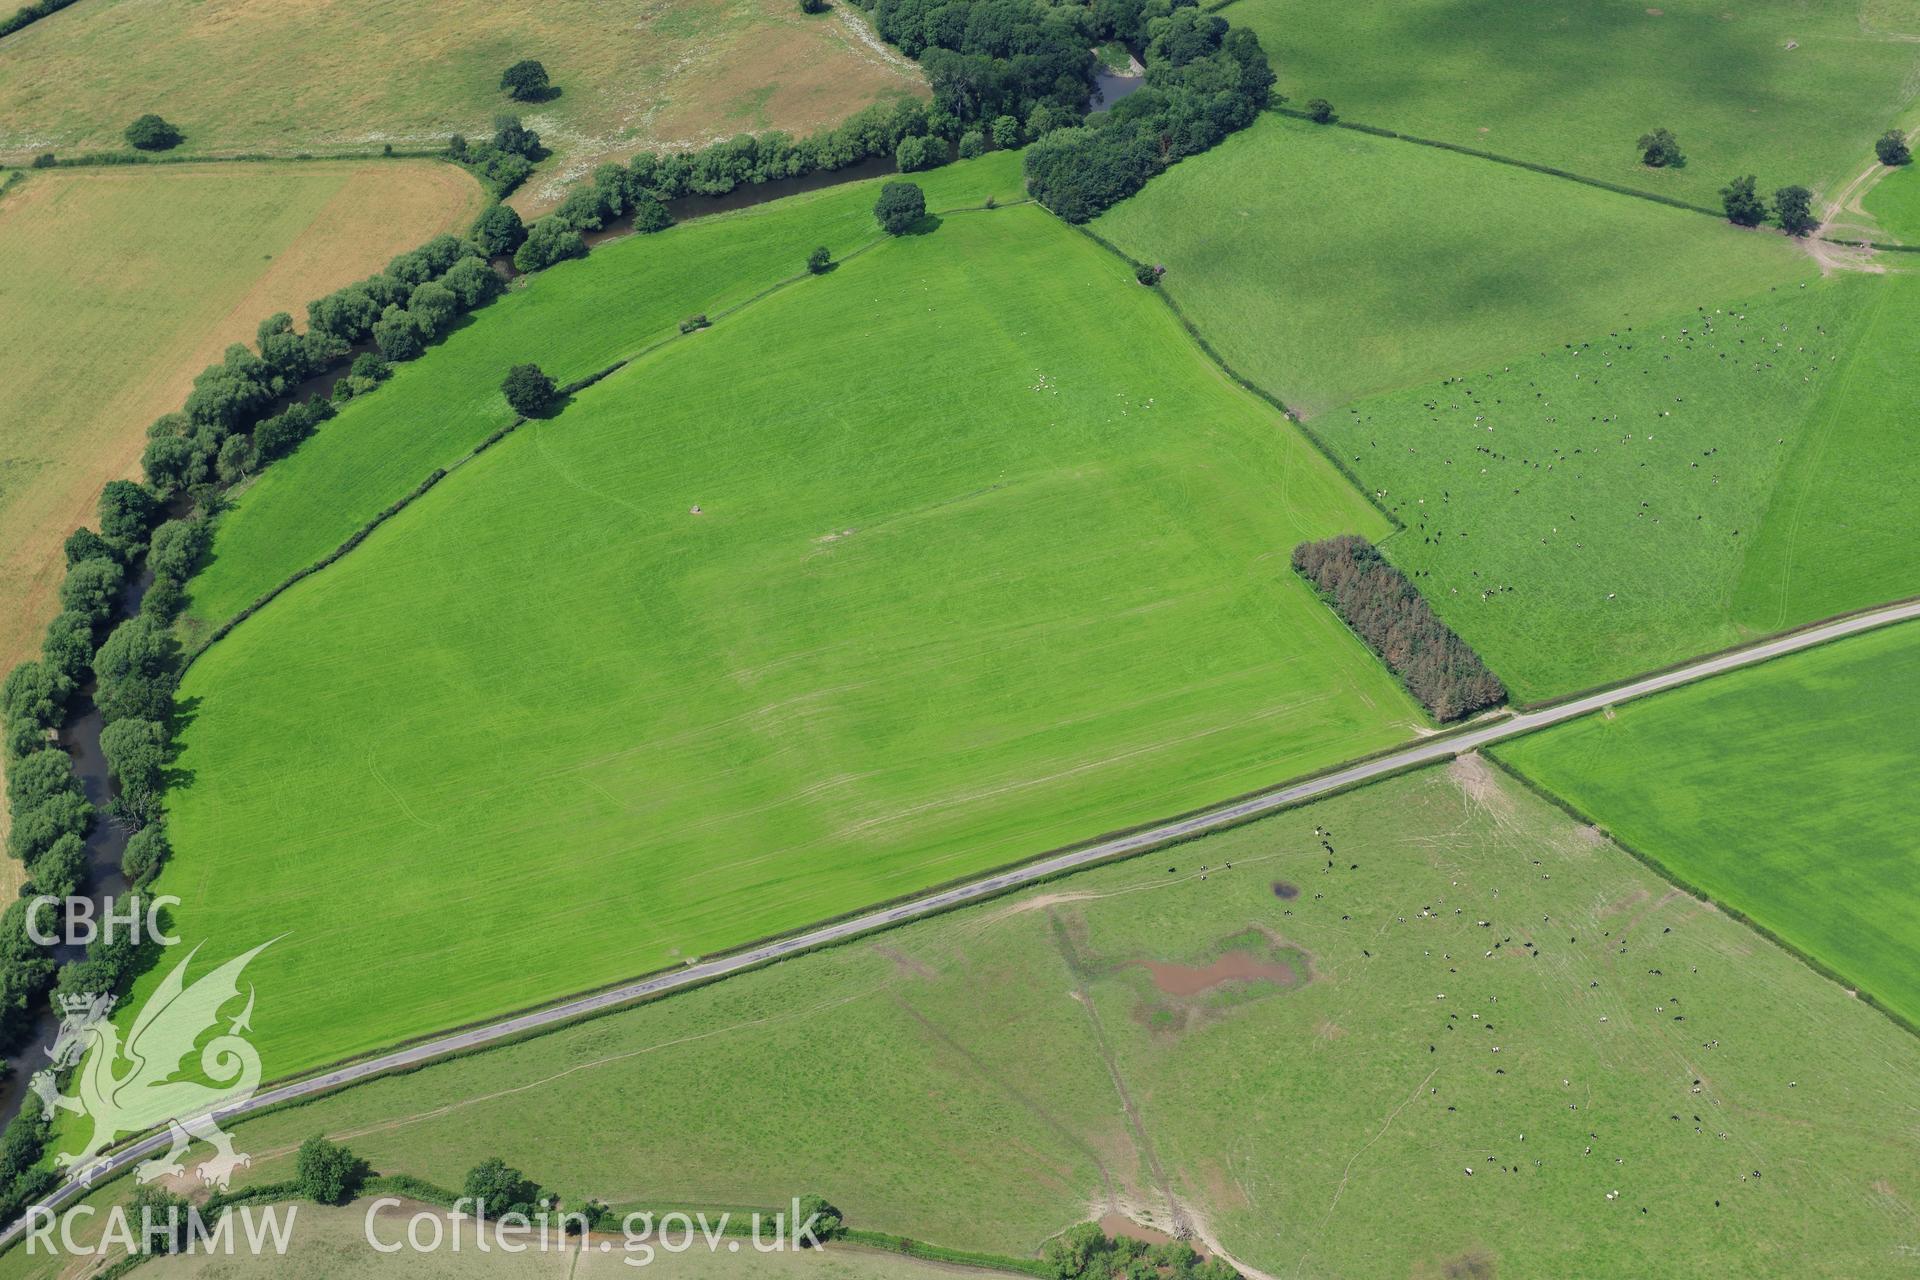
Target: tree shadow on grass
553, 409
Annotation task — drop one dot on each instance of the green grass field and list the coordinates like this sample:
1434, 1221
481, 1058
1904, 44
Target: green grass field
957, 1079
1894, 203
987, 559
1327, 265
573, 320
1603, 508
1788, 90
1778, 791
359, 73
1840, 531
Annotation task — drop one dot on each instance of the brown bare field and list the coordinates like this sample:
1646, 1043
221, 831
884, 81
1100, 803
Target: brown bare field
335, 74
123, 283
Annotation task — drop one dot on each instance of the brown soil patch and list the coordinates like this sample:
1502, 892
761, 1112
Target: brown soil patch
1119, 1226
1481, 783
1656, 13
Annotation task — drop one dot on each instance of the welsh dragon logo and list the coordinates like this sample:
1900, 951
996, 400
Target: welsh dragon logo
128, 1088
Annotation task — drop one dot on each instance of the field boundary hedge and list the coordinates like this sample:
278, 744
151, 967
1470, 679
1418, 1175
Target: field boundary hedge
1880, 245
115, 159
1245, 383
28, 14
438, 474
1686, 886
1550, 171
1815, 624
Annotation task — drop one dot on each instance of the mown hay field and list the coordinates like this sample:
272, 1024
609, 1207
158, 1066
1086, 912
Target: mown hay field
1326, 264
574, 320
1781, 791
122, 284
1656, 491
360, 73
1789, 91
957, 553
1312, 1074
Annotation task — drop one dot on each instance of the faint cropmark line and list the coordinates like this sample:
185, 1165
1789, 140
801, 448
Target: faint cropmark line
131, 1087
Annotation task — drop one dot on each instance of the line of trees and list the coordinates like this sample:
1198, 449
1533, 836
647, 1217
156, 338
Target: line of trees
987, 58
880, 131
502, 162
1086, 1252
135, 667
225, 432
1792, 206
27, 13
1205, 80
918, 137
239, 417
1386, 611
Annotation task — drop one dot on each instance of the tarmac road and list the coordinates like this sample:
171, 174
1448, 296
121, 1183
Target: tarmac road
1426, 751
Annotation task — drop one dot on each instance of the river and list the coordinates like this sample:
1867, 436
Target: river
80, 738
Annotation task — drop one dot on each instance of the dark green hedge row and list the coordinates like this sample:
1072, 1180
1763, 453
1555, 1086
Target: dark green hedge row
29, 13
111, 159
1497, 158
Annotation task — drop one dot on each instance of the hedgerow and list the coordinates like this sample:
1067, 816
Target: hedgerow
28, 13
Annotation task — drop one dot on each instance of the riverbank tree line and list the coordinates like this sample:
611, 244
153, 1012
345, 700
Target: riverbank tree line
1393, 618
1205, 80
28, 13
243, 413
